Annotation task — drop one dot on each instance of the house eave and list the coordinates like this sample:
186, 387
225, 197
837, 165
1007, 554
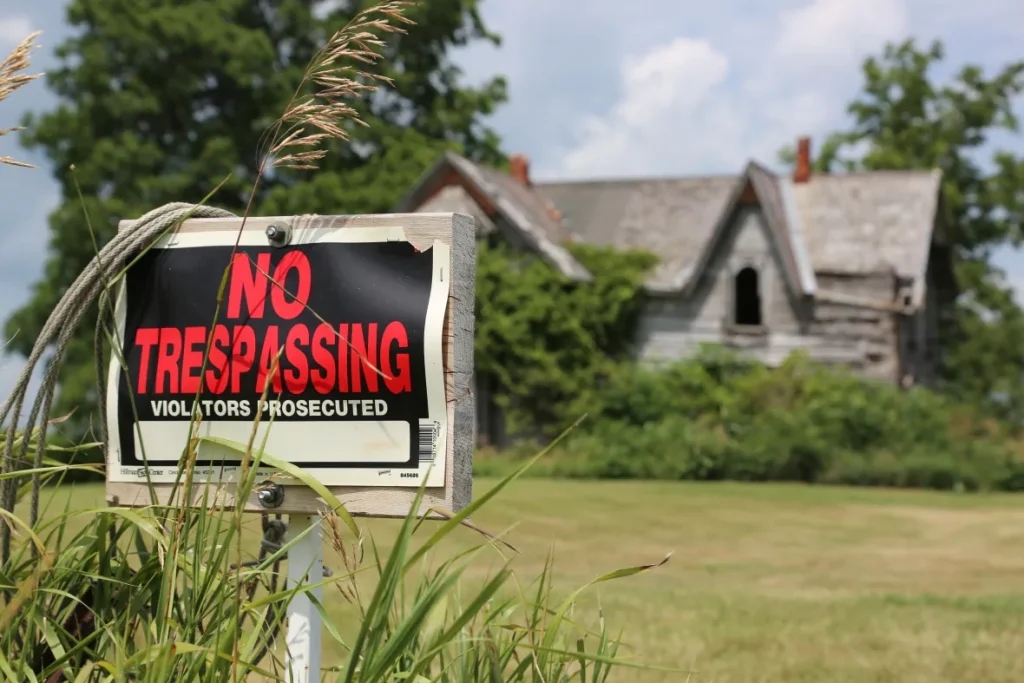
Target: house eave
551, 252
808, 282
802, 282
920, 282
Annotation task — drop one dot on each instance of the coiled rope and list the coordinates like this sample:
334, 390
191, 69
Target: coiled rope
88, 288
93, 286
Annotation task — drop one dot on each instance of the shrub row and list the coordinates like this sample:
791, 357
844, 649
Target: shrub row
719, 417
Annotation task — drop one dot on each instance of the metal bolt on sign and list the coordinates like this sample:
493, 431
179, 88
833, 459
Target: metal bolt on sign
278, 235
270, 495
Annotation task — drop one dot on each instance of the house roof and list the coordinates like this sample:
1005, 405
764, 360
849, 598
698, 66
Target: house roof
856, 223
882, 220
498, 194
456, 199
773, 193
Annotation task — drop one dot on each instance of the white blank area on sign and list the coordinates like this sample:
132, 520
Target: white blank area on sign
319, 442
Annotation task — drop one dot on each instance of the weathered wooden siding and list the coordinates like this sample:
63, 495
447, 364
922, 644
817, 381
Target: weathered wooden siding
864, 339
672, 328
868, 338
920, 345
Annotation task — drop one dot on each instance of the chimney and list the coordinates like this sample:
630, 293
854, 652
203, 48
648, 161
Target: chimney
519, 166
802, 172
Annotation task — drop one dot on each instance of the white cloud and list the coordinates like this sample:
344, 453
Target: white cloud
677, 75
14, 29
839, 32
700, 105
670, 82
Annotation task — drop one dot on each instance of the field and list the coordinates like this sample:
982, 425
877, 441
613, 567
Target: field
778, 583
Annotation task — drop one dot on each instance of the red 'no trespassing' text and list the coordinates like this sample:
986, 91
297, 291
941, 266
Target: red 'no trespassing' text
326, 357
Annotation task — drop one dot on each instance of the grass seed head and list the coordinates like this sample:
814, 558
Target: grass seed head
312, 120
13, 77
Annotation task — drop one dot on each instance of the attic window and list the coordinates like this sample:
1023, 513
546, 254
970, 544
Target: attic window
747, 298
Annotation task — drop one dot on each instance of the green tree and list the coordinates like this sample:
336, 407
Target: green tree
905, 119
548, 342
160, 100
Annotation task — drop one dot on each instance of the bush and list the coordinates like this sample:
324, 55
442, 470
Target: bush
547, 342
718, 416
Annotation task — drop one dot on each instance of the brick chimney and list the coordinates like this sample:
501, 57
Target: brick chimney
802, 172
519, 166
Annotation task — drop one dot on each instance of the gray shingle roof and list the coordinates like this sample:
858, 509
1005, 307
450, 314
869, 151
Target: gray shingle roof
854, 223
772, 192
850, 223
672, 218
775, 194
455, 199
863, 222
521, 208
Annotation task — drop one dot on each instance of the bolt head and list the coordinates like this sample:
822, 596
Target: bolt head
277, 235
271, 495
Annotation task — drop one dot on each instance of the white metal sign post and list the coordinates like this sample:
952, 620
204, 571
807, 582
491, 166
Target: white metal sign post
352, 337
305, 565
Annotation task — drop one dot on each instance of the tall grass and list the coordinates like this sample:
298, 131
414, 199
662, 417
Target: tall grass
167, 593
114, 594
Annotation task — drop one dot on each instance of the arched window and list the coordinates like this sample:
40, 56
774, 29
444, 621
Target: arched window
747, 298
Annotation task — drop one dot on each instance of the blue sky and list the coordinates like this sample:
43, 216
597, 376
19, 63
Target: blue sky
602, 89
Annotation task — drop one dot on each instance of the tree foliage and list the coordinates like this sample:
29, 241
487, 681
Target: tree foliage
904, 118
549, 342
161, 100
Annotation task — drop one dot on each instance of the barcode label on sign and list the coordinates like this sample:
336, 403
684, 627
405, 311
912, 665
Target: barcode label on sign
428, 440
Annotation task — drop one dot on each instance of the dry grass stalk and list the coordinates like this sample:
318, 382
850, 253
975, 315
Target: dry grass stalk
350, 562
311, 120
12, 77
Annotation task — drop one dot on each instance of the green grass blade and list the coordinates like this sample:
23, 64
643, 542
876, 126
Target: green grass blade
299, 474
449, 525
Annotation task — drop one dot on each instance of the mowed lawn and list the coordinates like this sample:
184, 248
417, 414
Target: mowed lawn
774, 582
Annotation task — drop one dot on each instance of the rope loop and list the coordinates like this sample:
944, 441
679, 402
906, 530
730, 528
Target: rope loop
90, 287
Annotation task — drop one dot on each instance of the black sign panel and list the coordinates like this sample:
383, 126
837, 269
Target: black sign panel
344, 322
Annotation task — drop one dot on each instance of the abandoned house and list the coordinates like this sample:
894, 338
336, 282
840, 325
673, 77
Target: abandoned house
852, 268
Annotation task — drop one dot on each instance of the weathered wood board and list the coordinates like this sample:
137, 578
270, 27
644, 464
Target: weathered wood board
452, 234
